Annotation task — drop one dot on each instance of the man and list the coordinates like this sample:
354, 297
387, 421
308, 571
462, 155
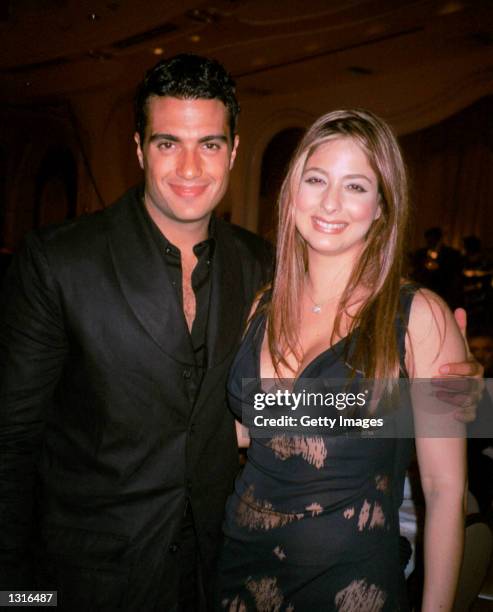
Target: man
118, 330
5, 259
116, 335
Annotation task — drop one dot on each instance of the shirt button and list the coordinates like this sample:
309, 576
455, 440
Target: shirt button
167, 250
173, 548
187, 373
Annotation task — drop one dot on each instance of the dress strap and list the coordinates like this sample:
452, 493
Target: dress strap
406, 297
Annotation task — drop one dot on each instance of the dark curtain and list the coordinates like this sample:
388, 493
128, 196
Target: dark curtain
451, 171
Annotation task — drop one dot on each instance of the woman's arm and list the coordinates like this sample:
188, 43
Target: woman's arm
242, 435
433, 340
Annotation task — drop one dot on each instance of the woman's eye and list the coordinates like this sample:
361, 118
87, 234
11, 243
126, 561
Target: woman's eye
314, 180
355, 187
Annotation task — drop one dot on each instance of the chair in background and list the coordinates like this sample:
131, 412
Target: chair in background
485, 596
478, 547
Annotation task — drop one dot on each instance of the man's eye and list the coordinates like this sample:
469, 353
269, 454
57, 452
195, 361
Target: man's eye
166, 145
211, 146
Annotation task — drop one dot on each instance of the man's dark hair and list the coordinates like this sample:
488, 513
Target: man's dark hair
189, 77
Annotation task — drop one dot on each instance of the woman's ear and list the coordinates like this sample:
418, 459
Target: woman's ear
378, 212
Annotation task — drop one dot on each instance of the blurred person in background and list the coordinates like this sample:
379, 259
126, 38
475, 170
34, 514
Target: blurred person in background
438, 267
477, 277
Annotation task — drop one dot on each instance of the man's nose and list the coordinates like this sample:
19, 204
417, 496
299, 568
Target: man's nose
189, 166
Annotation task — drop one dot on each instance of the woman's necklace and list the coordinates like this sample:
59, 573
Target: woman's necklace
317, 306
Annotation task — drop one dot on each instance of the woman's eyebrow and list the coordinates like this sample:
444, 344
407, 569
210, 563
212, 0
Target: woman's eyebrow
316, 169
346, 176
356, 176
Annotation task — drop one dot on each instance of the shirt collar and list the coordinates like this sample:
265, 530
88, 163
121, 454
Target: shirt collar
205, 247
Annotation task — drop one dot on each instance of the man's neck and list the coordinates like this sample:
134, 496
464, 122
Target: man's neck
184, 236
185, 239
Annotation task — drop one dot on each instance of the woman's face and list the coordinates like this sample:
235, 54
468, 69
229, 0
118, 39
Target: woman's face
338, 199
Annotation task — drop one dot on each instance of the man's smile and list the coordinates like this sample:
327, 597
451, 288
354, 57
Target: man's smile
188, 191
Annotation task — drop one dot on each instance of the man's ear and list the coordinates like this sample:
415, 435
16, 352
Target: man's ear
140, 155
232, 158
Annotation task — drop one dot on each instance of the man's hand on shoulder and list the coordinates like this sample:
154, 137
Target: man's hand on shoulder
461, 384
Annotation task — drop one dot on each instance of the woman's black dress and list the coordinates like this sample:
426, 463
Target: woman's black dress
313, 522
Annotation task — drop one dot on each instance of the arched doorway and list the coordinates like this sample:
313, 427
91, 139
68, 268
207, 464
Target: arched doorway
275, 162
56, 188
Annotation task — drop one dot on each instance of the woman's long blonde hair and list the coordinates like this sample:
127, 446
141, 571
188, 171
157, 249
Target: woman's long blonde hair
379, 268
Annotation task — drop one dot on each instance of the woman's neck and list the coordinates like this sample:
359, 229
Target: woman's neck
327, 277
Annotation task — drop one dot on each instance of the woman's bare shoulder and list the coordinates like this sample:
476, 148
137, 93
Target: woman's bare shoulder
433, 335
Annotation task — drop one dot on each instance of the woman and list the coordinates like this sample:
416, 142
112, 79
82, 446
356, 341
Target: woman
313, 523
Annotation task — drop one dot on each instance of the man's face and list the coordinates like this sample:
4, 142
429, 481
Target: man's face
482, 349
187, 155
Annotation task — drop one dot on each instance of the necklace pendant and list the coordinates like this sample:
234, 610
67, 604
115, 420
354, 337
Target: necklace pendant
316, 308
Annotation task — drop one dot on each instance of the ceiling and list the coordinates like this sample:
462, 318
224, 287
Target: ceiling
53, 48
